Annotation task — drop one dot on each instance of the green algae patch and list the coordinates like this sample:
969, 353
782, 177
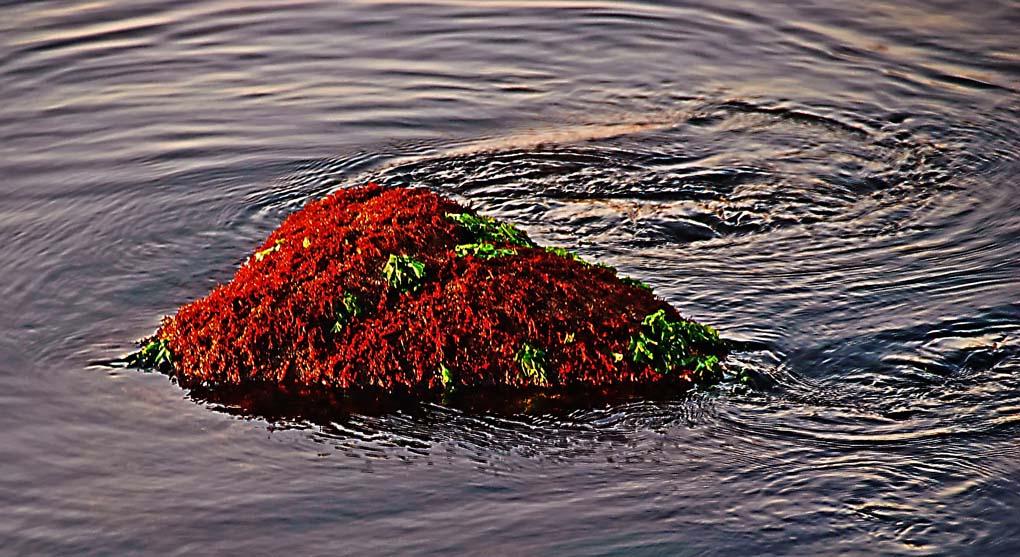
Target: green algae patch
483, 250
396, 290
154, 354
348, 309
669, 345
404, 273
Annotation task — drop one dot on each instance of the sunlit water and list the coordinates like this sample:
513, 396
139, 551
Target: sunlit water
837, 185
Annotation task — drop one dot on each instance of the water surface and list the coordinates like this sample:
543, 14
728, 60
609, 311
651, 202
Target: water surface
837, 185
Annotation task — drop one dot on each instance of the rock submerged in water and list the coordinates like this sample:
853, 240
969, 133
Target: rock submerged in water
393, 290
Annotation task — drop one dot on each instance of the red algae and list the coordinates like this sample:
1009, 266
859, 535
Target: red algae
401, 290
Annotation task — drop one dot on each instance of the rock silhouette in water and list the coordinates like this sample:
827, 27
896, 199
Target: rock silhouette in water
384, 289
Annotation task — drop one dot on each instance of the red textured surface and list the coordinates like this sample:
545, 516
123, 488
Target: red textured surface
272, 323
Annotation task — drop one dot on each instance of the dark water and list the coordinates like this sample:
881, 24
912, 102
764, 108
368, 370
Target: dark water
837, 184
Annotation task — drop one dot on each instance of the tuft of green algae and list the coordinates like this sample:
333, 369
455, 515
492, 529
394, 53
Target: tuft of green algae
635, 282
346, 310
669, 346
483, 251
154, 354
446, 378
562, 252
532, 362
404, 273
488, 229
260, 255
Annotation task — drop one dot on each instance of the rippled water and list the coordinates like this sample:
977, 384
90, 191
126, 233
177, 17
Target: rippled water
838, 185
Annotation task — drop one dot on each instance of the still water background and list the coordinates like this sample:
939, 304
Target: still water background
836, 183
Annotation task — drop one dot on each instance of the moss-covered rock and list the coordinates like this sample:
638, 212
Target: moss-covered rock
401, 290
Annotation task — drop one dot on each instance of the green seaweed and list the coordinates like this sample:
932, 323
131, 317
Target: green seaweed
483, 251
446, 377
262, 254
671, 345
567, 254
404, 273
635, 282
154, 354
488, 229
532, 361
347, 309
